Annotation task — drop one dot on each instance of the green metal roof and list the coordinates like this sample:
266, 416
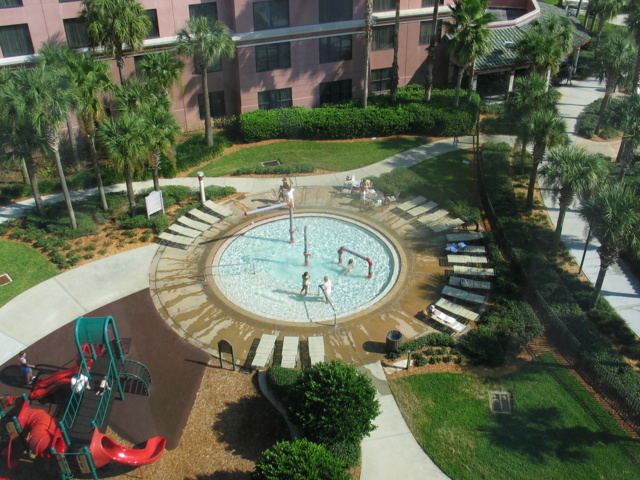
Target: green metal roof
502, 56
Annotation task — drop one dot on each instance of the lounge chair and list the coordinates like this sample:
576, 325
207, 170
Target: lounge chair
464, 237
469, 283
420, 209
218, 209
316, 349
173, 239
290, 348
463, 295
265, 349
441, 227
473, 271
409, 204
429, 218
189, 222
185, 231
205, 217
456, 309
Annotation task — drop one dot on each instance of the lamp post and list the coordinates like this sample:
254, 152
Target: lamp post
201, 180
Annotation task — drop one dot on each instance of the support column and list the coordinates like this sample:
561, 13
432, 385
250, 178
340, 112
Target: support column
510, 82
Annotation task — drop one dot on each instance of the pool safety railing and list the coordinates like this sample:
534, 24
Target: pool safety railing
330, 303
341, 250
250, 268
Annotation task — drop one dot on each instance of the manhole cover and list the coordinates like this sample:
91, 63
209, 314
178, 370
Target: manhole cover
500, 402
4, 279
271, 163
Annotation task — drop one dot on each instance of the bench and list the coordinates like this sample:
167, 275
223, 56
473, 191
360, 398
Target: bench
265, 349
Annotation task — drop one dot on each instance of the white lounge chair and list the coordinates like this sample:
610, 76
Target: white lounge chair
420, 209
469, 283
316, 349
218, 209
444, 226
290, 348
173, 239
456, 309
205, 217
185, 231
409, 204
463, 295
464, 237
429, 218
264, 351
189, 222
473, 271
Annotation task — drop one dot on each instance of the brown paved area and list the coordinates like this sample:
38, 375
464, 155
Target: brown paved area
185, 295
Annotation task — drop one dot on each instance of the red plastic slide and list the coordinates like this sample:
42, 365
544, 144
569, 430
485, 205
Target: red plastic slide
42, 431
104, 450
46, 386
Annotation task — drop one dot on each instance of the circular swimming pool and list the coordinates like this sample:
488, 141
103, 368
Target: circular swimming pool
259, 270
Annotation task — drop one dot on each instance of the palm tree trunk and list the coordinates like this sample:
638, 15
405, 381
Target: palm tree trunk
636, 73
24, 172
610, 88
72, 141
523, 152
155, 166
208, 131
395, 74
563, 207
96, 170
33, 180
472, 67
120, 63
63, 184
538, 154
368, 25
431, 52
597, 288
456, 99
130, 194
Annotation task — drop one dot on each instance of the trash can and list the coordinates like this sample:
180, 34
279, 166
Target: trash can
394, 340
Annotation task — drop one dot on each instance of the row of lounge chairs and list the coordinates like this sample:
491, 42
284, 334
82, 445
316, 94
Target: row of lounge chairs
290, 350
187, 229
427, 214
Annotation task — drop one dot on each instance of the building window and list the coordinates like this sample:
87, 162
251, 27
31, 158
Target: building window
431, 3
335, 10
216, 104
154, 31
381, 80
382, 37
10, 3
208, 10
273, 56
215, 66
383, 5
273, 14
332, 92
425, 31
274, 99
76, 31
66, 1
15, 40
335, 49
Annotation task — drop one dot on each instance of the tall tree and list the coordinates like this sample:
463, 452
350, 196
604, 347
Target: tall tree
546, 43
633, 22
162, 135
368, 33
205, 42
115, 25
614, 213
162, 70
123, 139
45, 97
624, 114
434, 41
610, 8
139, 98
615, 62
547, 130
395, 68
91, 79
468, 38
570, 172
530, 94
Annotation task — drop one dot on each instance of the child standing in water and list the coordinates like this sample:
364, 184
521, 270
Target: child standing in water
305, 283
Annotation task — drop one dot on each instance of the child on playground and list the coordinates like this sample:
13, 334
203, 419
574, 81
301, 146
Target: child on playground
102, 387
79, 382
305, 283
326, 289
26, 367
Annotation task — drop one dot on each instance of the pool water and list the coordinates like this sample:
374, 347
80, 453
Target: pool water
260, 271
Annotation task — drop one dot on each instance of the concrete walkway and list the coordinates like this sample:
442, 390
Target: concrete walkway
390, 451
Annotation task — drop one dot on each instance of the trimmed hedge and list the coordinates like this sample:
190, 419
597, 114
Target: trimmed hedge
348, 120
276, 170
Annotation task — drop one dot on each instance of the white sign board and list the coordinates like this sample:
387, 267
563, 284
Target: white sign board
154, 203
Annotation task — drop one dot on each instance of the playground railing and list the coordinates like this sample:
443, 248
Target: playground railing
136, 371
112, 379
71, 412
82, 460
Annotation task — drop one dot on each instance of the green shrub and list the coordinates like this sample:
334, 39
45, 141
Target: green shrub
281, 381
485, 345
213, 192
334, 403
431, 339
348, 454
400, 180
14, 191
297, 460
276, 169
81, 181
194, 151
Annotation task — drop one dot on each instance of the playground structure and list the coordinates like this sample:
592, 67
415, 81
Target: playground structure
341, 250
76, 441
272, 207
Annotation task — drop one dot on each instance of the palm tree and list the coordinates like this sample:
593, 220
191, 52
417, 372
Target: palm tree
469, 38
633, 22
45, 97
614, 213
431, 51
570, 172
395, 69
124, 142
114, 25
610, 8
91, 79
625, 115
530, 93
546, 43
547, 130
139, 98
162, 70
205, 42
368, 33
615, 62
163, 132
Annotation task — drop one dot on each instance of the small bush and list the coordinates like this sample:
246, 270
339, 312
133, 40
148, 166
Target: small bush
281, 381
213, 192
276, 170
348, 454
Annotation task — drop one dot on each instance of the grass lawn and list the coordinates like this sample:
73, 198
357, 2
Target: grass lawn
336, 156
25, 266
557, 430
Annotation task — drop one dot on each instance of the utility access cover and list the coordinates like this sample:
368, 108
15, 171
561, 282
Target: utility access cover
4, 279
500, 402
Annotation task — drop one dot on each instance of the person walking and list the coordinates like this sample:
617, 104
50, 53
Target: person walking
569, 75
305, 284
26, 368
326, 289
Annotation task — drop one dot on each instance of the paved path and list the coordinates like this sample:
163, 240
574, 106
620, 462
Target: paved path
391, 451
